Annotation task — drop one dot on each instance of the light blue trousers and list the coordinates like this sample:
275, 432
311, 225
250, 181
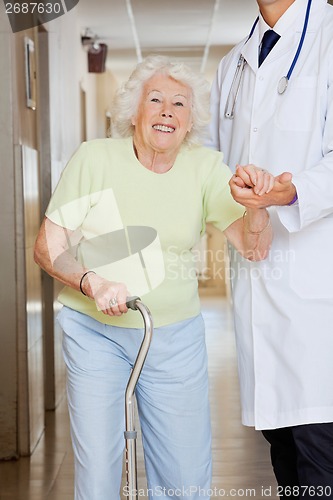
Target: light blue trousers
172, 399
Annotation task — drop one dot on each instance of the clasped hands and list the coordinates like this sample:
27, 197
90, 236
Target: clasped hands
254, 187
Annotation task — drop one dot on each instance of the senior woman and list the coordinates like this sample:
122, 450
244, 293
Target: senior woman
123, 219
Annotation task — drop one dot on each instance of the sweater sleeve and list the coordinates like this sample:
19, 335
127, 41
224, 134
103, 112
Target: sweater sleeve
219, 207
70, 201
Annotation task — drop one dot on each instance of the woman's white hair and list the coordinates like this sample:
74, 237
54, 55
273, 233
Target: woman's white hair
127, 98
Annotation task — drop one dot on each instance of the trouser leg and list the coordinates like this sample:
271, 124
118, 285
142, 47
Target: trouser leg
173, 405
302, 459
96, 380
314, 443
284, 459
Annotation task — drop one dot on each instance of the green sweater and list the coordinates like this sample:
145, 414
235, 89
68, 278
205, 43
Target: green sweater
138, 227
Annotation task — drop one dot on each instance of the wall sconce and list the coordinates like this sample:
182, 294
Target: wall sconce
97, 52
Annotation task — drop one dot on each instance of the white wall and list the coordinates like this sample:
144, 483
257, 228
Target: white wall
66, 67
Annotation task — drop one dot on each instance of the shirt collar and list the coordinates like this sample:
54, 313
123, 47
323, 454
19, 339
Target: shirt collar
285, 21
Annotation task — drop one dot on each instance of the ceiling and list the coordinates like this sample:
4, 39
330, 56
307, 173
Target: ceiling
196, 31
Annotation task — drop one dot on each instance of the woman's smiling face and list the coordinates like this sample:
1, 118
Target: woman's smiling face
164, 115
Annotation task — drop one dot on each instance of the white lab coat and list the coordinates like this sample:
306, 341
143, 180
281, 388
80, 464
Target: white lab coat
283, 306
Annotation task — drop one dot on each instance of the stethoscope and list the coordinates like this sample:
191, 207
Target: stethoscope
283, 82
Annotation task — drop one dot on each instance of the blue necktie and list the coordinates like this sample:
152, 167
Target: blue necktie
268, 41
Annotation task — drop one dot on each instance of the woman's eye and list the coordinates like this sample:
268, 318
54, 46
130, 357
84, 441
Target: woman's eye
178, 103
155, 99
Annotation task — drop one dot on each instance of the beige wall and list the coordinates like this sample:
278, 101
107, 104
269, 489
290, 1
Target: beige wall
8, 302
106, 87
34, 147
21, 329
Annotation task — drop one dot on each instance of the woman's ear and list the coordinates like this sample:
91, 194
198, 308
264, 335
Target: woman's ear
189, 128
133, 120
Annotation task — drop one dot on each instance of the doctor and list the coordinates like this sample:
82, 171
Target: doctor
278, 115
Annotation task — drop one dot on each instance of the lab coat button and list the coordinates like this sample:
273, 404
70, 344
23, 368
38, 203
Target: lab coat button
255, 129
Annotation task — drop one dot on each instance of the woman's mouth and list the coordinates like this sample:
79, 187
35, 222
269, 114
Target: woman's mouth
163, 128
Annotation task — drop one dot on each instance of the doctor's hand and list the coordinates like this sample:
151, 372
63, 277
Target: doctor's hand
280, 193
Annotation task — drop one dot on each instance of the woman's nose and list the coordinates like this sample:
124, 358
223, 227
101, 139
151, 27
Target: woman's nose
166, 112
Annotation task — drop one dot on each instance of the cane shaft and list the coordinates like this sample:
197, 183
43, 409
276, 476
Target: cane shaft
130, 433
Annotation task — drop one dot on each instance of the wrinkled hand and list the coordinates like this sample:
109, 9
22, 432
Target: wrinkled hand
253, 187
105, 292
256, 178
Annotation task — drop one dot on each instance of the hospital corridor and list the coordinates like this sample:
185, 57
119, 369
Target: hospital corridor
118, 226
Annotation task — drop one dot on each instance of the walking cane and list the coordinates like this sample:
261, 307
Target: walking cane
130, 432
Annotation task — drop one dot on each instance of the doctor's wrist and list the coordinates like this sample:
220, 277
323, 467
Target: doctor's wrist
293, 201
294, 198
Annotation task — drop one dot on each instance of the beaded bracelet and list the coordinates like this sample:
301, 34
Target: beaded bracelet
82, 278
256, 232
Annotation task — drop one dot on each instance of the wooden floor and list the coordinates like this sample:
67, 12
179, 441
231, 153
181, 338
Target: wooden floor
241, 457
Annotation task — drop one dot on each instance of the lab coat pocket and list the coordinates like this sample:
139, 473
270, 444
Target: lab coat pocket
311, 269
296, 107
